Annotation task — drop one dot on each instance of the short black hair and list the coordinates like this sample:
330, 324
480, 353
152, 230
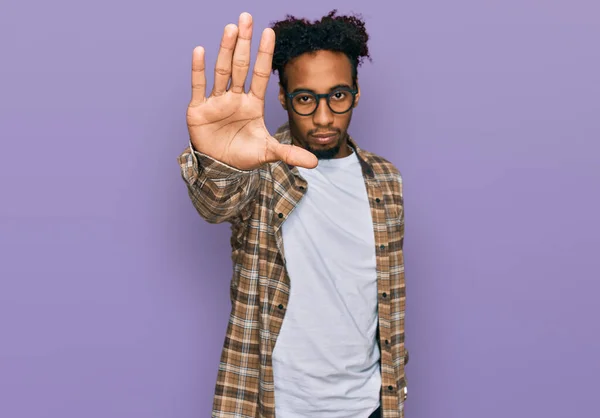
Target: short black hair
296, 36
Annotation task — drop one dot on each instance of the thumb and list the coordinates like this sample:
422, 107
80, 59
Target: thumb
290, 154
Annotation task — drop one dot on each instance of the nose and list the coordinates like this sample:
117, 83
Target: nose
323, 116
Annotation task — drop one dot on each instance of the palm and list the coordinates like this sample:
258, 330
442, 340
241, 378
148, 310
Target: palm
231, 129
229, 125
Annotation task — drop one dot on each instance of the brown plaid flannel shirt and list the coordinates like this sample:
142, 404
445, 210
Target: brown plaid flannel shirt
257, 203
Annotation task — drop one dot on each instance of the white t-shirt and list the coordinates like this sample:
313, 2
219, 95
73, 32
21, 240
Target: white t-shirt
326, 359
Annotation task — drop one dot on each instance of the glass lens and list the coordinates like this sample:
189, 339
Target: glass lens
304, 103
340, 101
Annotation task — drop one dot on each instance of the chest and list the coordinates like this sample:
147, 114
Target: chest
334, 207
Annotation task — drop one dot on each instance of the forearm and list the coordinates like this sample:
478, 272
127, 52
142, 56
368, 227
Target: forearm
218, 192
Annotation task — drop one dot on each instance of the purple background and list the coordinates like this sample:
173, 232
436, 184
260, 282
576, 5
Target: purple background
114, 293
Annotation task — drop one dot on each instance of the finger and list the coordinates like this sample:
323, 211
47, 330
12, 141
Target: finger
241, 56
262, 66
223, 65
198, 76
290, 154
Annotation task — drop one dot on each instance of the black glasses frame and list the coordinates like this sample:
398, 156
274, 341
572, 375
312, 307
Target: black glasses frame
318, 97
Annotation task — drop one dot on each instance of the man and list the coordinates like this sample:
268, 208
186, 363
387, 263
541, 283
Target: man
318, 293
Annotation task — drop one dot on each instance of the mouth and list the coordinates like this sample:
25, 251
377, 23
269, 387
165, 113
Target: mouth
324, 139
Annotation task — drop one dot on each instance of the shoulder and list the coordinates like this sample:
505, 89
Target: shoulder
382, 167
386, 174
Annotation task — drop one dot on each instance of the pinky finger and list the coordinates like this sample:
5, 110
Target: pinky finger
198, 76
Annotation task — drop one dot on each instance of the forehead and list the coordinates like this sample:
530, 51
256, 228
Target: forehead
318, 71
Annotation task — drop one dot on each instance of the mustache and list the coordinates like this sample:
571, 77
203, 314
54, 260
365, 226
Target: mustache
319, 132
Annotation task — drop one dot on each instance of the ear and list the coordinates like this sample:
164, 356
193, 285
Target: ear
357, 98
282, 98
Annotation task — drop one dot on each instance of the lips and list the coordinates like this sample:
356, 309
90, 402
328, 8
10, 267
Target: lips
324, 138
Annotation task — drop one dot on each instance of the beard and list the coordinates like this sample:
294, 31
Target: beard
326, 154
301, 140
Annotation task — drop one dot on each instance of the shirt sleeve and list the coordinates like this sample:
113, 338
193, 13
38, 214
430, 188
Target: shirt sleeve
218, 191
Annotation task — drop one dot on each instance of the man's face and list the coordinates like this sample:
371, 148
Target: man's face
324, 131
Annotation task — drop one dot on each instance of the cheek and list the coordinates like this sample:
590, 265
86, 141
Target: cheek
342, 121
301, 124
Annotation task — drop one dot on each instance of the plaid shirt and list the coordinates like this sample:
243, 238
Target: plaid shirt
257, 203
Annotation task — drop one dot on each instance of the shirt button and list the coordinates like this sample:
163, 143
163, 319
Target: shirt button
384, 295
382, 247
302, 187
387, 342
280, 306
390, 388
378, 200
280, 215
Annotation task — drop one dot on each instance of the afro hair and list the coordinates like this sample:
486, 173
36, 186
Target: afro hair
297, 36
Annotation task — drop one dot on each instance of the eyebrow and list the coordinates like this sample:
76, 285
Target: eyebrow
337, 86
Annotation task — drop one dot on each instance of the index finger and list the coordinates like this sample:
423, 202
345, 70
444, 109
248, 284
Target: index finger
262, 66
198, 76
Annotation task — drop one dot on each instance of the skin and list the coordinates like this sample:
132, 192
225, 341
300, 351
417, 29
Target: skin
229, 124
320, 72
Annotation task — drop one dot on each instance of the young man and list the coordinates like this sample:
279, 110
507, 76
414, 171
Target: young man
318, 293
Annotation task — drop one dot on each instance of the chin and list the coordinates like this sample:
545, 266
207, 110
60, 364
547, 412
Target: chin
326, 153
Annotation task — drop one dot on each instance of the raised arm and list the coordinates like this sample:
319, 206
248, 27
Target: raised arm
229, 141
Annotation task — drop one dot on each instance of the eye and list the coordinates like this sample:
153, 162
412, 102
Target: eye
304, 98
339, 95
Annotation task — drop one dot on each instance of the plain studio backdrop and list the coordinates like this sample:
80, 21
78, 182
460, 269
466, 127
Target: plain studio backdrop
114, 294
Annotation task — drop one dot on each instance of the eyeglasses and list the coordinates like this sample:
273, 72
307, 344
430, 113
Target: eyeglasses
306, 102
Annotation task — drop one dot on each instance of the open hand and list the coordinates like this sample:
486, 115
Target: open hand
229, 125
